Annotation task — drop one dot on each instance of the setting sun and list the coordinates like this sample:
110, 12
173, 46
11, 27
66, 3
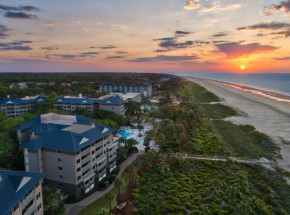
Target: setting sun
242, 67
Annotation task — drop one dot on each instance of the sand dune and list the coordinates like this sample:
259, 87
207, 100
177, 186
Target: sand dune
266, 114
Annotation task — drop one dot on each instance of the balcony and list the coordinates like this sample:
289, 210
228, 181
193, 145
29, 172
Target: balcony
31, 210
88, 158
28, 198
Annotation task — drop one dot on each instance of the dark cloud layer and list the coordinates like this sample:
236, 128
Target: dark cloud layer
50, 48
266, 26
19, 15
115, 57
279, 34
122, 53
20, 45
160, 58
3, 31
235, 50
181, 33
219, 35
274, 8
19, 12
72, 56
108, 47
282, 58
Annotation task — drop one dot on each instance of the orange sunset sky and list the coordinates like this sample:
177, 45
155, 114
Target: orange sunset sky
145, 36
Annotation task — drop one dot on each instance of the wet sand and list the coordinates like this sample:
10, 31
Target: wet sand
268, 112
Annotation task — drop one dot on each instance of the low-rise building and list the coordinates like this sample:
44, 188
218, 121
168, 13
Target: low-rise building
144, 88
21, 193
113, 103
72, 151
20, 106
71, 103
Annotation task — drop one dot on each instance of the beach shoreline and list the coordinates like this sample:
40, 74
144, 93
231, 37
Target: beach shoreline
257, 108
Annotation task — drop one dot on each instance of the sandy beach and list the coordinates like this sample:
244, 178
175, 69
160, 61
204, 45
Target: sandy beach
267, 114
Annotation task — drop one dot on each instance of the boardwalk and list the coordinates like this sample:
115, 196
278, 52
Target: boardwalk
74, 209
223, 159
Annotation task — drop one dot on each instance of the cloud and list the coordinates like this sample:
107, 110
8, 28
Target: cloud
219, 35
115, 57
3, 31
50, 48
235, 50
282, 58
72, 56
274, 8
19, 45
217, 7
278, 34
182, 33
160, 58
266, 26
19, 15
192, 4
122, 53
20, 8
107, 47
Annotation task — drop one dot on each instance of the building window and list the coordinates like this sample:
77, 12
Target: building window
38, 196
59, 159
59, 168
39, 207
60, 184
78, 160
79, 177
78, 169
58, 151
60, 176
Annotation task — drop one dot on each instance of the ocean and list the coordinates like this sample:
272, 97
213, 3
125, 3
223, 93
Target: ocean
277, 83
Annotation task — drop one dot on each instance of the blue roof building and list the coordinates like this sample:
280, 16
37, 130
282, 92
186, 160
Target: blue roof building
70, 104
21, 192
20, 106
72, 151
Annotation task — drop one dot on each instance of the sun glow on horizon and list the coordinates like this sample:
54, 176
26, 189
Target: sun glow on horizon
242, 67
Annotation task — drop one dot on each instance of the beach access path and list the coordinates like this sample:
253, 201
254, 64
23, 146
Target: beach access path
268, 116
75, 208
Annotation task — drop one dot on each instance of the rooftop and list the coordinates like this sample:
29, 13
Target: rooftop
63, 132
125, 84
24, 100
14, 187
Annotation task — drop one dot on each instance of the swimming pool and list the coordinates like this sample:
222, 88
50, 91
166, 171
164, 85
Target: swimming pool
126, 133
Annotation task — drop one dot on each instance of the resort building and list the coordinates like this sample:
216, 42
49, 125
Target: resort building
71, 103
126, 97
113, 103
144, 88
72, 151
17, 107
21, 193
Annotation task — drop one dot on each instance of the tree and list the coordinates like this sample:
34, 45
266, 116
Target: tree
118, 183
140, 127
110, 197
51, 200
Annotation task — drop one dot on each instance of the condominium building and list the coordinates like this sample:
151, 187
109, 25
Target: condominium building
21, 193
71, 103
144, 88
72, 151
17, 107
126, 97
113, 103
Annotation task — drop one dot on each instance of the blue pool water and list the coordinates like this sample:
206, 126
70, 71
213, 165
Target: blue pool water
126, 133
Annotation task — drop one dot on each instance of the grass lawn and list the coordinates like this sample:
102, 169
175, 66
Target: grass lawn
96, 206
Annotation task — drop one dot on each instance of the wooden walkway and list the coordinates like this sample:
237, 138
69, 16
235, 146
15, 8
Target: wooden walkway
223, 159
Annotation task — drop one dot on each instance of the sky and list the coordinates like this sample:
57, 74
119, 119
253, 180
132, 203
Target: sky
145, 36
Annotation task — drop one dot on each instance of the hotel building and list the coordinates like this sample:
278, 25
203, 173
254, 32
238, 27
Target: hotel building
17, 107
144, 88
72, 151
21, 193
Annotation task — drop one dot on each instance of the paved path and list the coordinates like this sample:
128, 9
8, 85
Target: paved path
223, 159
74, 209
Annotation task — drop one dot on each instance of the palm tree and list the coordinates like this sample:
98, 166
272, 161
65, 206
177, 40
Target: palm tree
110, 197
118, 183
